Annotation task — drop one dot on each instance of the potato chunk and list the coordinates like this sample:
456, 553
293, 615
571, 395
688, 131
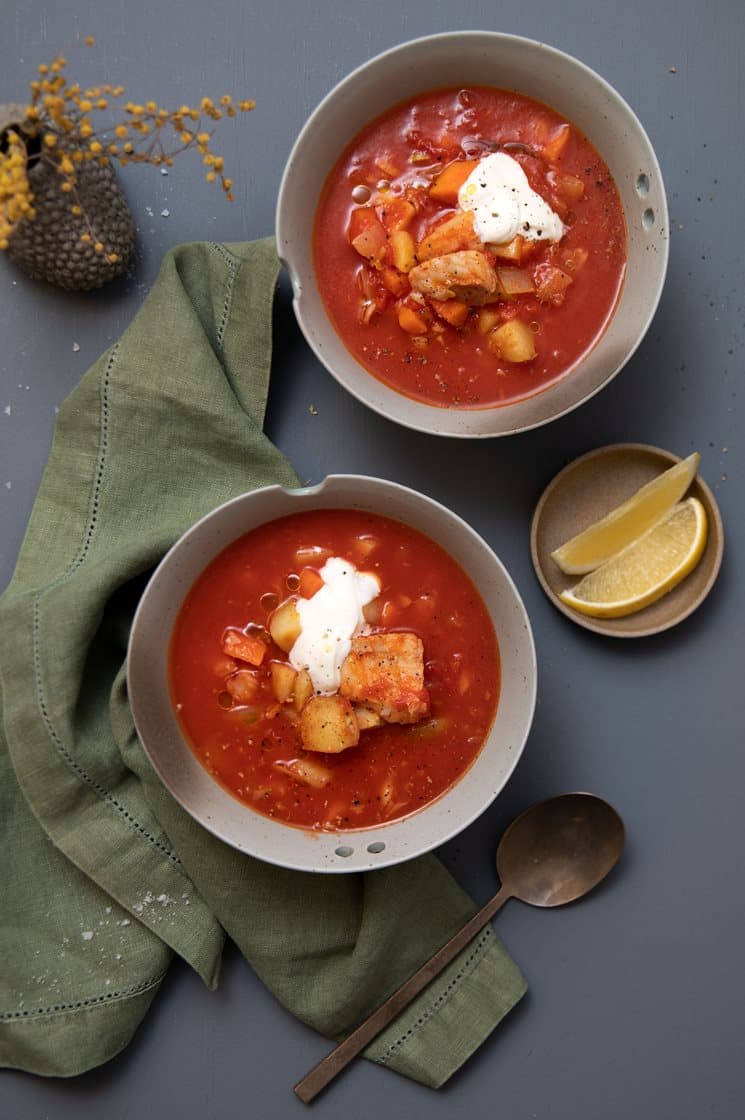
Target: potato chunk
328, 725
513, 341
284, 625
385, 672
283, 680
303, 689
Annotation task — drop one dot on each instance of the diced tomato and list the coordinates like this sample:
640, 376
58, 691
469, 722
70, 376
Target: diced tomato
375, 298
551, 283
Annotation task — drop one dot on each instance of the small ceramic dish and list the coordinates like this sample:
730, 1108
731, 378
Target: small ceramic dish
456, 60
585, 491
283, 844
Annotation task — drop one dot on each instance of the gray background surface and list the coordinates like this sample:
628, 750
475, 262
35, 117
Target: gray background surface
636, 995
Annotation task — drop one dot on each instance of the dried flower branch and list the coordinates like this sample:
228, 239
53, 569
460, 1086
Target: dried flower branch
60, 127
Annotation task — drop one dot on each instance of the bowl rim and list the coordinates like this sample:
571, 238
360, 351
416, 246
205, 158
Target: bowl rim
424, 416
320, 851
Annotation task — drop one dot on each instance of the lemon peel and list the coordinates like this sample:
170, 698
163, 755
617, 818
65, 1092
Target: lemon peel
646, 569
606, 537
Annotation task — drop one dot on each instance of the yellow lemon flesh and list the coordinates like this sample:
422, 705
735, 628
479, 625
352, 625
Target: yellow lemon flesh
627, 522
645, 570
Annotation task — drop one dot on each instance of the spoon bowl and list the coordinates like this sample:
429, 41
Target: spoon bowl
559, 849
553, 853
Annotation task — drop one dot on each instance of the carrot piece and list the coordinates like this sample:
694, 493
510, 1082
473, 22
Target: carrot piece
244, 647
555, 145
395, 281
410, 321
310, 582
453, 311
447, 184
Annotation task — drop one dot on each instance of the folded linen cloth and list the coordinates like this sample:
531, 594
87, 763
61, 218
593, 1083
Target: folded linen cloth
103, 876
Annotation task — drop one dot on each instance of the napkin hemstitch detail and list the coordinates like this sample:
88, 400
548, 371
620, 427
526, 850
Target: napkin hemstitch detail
437, 1003
233, 265
86, 1004
87, 537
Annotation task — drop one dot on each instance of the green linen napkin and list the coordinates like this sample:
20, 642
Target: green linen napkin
104, 877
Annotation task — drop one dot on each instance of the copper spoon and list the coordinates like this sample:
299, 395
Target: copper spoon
553, 853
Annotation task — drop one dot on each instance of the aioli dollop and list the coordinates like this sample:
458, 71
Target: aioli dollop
330, 619
504, 204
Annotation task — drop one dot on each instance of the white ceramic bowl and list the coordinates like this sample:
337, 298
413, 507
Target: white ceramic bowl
286, 845
507, 62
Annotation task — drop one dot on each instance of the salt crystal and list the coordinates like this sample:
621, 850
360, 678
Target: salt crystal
75, 347
149, 211
164, 170
8, 485
107, 910
6, 410
125, 922
87, 934
165, 213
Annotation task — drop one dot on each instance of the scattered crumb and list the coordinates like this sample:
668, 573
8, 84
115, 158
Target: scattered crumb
87, 934
313, 410
672, 69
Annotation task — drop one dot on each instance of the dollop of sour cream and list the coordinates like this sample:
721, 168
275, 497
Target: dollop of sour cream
504, 203
330, 619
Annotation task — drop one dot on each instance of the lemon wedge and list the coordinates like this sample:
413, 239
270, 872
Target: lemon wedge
627, 522
646, 569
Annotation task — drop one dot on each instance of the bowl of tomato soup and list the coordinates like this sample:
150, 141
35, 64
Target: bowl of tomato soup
335, 678
476, 230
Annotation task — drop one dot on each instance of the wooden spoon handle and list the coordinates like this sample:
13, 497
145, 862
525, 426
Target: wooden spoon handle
328, 1068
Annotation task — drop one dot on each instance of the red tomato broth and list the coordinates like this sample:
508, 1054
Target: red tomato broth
396, 769
456, 368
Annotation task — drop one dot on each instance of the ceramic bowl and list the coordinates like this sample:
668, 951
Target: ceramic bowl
287, 845
508, 62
